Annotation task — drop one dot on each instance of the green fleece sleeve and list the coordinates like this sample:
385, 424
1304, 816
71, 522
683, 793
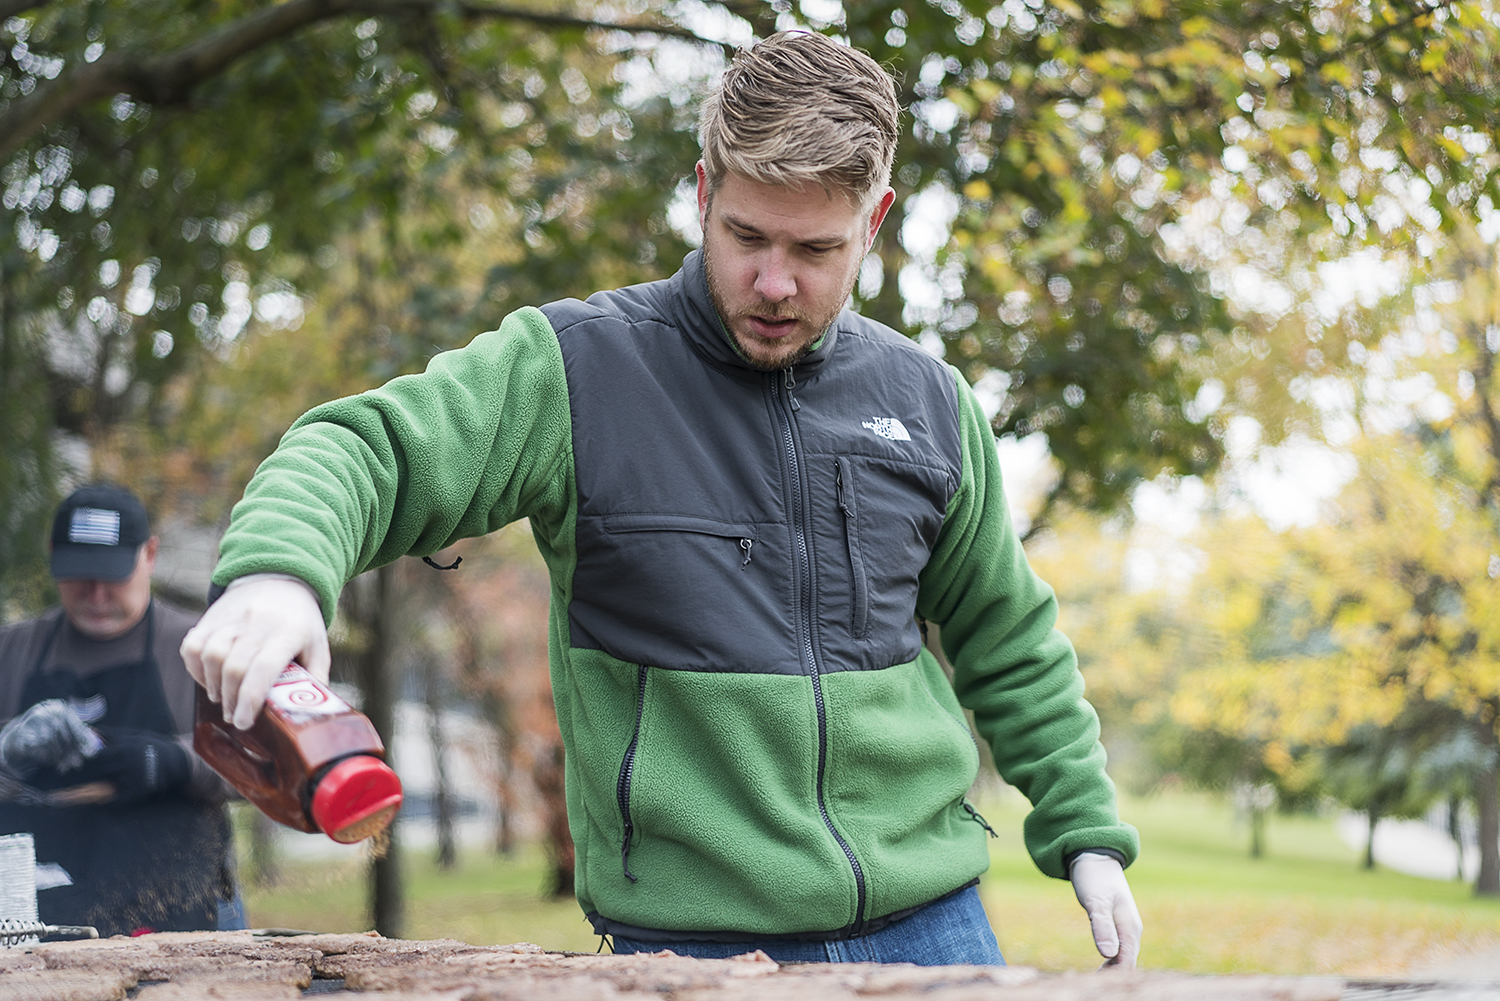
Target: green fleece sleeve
1016, 672
479, 439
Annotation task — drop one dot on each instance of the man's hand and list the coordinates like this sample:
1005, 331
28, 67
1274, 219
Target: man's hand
139, 765
1099, 883
245, 639
48, 735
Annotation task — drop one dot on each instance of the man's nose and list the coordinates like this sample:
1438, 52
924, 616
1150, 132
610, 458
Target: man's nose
775, 281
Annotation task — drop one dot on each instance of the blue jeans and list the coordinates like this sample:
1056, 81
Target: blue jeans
232, 913
951, 931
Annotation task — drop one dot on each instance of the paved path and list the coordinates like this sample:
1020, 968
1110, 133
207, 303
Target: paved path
1409, 846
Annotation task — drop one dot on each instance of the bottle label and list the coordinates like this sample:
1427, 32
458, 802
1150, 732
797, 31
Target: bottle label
300, 694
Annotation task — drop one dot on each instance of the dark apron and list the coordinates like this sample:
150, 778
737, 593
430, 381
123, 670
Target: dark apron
160, 865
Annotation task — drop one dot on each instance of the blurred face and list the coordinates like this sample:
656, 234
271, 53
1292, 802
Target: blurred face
104, 609
781, 262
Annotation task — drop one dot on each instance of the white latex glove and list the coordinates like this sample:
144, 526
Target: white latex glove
1099, 883
259, 624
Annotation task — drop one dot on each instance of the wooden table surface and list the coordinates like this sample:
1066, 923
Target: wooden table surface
247, 966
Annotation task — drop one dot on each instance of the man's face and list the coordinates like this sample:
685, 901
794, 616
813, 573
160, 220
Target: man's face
781, 262
104, 609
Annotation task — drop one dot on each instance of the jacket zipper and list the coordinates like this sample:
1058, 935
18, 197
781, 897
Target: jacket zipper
620, 524
627, 771
797, 518
844, 480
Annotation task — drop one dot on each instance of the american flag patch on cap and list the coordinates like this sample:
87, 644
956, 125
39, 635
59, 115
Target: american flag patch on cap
94, 526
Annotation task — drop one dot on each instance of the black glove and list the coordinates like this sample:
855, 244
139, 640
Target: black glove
139, 765
49, 735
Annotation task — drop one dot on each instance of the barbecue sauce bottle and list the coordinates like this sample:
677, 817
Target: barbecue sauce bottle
310, 761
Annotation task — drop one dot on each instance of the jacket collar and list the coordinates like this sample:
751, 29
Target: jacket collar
701, 324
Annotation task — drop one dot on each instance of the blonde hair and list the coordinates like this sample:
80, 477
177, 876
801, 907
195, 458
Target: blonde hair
798, 107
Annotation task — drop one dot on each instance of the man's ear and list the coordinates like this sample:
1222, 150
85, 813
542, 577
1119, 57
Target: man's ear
703, 196
149, 548
877, 216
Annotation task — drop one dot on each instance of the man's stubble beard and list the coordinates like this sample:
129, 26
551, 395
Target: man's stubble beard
775, 311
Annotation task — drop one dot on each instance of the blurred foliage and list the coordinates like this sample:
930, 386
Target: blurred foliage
217, 215
1118, 165
178, 176
1358, 657
345, 165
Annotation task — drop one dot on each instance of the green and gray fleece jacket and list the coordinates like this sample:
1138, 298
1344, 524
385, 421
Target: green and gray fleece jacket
758, 744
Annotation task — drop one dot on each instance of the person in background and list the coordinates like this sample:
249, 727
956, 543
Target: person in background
751, 500
96, 759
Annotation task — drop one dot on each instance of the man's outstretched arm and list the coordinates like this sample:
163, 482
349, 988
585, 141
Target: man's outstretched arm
1019, 676
482, 437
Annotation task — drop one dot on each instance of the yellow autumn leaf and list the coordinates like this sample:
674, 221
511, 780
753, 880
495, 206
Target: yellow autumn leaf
984, 91
1195, 26
1299, 136
963, 100
1453, 149
1337, 72
1434, 58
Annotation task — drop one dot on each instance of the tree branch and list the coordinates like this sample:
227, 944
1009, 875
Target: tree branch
1419, 10
171, 77
1042, 520
759, 13
541, 20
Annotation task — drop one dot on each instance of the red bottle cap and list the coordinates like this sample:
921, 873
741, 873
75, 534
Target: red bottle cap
357, 797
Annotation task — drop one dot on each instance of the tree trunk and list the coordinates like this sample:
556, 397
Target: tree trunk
378, 687
549, 778
497, 709
1487, 800
505, 826
442, 801
1455, 831
1257, 832
1372, 814
264, 866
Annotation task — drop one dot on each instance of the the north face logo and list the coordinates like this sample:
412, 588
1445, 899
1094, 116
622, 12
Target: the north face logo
887, 427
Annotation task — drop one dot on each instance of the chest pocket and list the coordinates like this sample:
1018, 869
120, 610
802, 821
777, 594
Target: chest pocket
876, 521
683, 592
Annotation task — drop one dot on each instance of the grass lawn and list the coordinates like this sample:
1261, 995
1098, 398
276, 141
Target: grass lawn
1304, 908
1208, 907
485, 900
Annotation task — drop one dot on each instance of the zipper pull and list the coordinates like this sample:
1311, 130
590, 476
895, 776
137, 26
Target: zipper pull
745, 544
791, 384
625, 855
974, 815
838, 479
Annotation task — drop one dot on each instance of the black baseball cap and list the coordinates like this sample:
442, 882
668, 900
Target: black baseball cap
97, 532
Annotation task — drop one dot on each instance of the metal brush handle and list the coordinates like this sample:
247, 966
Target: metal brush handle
14, 932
